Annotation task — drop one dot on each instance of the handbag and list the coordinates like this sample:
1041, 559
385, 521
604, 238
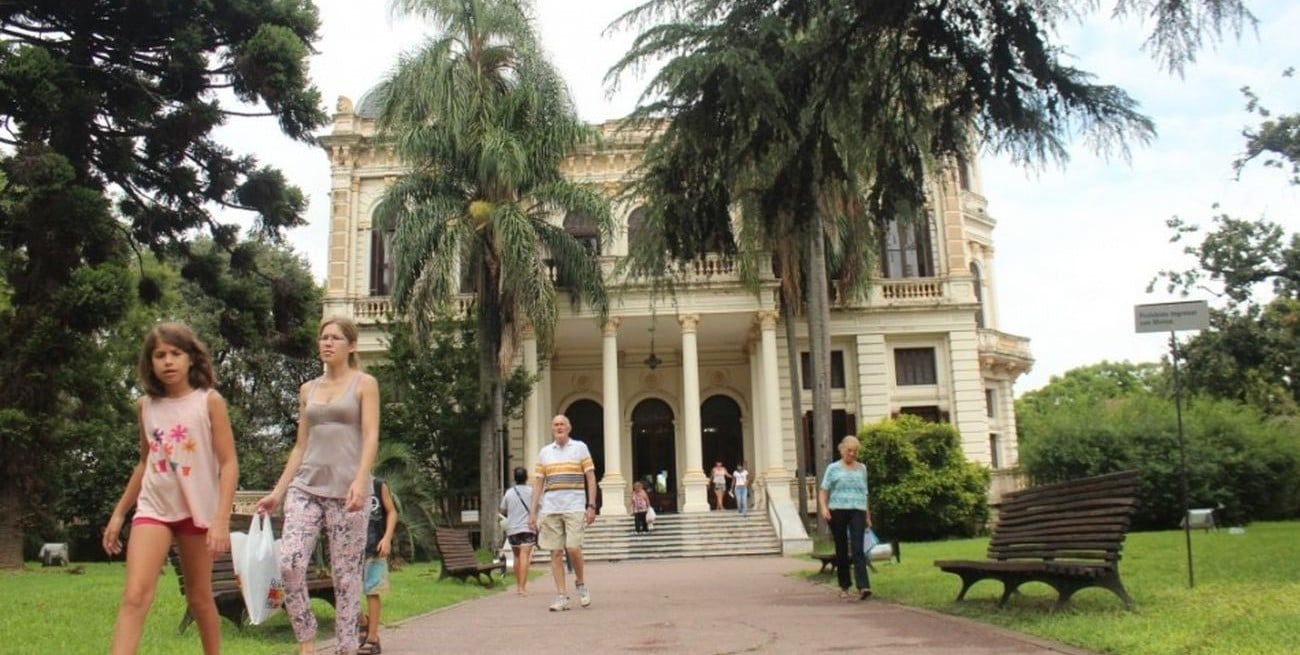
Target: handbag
650, 515
256, 560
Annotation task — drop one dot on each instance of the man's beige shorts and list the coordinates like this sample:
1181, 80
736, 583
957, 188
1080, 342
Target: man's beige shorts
561, 530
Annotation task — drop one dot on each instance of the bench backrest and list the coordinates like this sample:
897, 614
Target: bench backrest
454, 547
1084, 519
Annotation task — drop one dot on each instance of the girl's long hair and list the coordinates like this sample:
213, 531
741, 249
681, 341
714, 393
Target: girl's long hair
181, 336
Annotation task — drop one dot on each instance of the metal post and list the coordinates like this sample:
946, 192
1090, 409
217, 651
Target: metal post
1182, 457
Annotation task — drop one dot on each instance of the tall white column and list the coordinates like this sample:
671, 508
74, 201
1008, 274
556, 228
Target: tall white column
778, 476
758, 460
694, 482
532, 403
545, 412
612, 486
873, 378
969, 413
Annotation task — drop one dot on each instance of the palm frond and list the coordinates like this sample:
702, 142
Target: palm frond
577, 270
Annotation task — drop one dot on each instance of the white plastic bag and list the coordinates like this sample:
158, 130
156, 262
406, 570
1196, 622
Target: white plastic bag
650, 516
256, 558
875, 549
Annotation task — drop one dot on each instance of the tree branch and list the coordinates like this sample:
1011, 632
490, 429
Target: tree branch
250, 114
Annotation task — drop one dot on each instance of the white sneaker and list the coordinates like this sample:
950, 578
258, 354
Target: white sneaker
561, 604
584, 595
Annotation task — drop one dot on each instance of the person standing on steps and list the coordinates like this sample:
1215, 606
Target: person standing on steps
843, 503
640, 507
740, 485
719, 476
563, 486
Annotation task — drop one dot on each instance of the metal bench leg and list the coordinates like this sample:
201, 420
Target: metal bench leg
186, 620
968, 580
1112, 582
1063, 596
1010, 585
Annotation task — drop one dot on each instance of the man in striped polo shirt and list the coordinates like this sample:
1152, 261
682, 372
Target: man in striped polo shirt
565, 486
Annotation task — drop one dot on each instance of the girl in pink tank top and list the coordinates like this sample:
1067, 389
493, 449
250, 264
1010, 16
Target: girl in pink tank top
183, 486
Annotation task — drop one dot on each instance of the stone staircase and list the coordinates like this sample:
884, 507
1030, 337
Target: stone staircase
710, 534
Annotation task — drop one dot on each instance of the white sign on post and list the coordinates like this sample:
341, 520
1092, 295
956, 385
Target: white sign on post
1171, 316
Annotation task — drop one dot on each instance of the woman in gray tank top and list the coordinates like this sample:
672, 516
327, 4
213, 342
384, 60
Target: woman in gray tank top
326, 483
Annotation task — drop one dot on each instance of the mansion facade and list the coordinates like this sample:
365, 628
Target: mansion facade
660, 391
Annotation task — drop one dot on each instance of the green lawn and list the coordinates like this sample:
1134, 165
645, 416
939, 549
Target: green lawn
50, 611
1246, 598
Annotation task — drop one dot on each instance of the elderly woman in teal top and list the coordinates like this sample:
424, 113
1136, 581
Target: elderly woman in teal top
843, 504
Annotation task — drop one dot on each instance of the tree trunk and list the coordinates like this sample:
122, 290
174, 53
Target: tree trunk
796, 408
819, 347
489, 467
488, 453
11, 532
496, 469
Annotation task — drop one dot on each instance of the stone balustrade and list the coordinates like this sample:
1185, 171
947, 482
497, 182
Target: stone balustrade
999, 350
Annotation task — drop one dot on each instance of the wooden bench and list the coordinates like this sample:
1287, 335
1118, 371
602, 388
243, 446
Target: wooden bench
1067, 534
225, 586
456, 556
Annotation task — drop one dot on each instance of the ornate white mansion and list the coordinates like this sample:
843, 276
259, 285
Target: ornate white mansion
660, 393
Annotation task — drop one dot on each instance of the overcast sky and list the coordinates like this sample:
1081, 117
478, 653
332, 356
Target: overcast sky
1075, 245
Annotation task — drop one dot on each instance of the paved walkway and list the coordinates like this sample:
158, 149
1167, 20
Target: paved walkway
699, 606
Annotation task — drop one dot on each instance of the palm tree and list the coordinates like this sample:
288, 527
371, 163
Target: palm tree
819, 120
412, 492
482, 121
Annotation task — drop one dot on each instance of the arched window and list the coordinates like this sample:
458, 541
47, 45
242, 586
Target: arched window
635, 223
907, 249
977, 279
381, 262
583, 228
721, 439
654, 452
587, 419
963, 172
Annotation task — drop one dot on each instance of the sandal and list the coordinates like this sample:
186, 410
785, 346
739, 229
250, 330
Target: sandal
844, 593
370, 648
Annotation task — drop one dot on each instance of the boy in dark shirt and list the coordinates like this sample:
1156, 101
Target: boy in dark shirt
379, 543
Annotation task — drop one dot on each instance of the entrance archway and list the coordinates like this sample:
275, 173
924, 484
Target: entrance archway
587, 418
654, 452
722, 439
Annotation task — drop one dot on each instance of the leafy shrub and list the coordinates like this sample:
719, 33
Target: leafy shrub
1238, 460
922, 487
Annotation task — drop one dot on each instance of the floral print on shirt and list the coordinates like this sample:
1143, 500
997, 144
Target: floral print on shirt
172, 450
